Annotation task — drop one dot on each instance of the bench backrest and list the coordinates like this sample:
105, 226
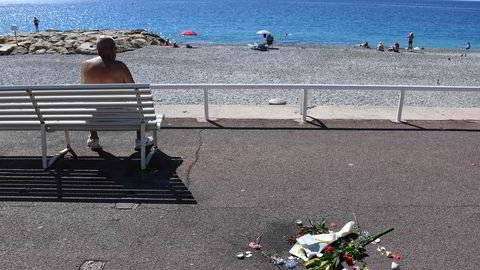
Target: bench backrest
96, 106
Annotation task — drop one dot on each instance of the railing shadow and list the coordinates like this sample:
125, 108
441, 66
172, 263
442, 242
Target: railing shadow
104, 178
329, 125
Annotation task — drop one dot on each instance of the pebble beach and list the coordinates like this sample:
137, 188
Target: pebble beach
282, 65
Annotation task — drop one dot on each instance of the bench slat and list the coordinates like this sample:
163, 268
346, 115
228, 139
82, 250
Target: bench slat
58, 105
13, 93
91, 92
97, 98
38, 93
76, 125
76, 86
47, 105
103, 117
69, 111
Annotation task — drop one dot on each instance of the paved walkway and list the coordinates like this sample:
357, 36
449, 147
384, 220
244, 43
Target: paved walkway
219, 185
320, 112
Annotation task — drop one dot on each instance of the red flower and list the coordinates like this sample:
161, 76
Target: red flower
348, 259
328, 249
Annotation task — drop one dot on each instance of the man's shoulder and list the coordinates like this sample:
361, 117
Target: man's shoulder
92, 61
120, 65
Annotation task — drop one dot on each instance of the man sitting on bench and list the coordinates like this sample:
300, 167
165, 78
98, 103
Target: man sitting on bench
104, 69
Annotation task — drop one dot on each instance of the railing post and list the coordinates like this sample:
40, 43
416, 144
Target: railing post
205, 104
400, 106
304, 105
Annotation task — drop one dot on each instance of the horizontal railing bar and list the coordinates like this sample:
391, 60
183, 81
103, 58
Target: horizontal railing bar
244, 86
319, 87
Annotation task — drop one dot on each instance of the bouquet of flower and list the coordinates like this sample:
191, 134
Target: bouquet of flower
323, 249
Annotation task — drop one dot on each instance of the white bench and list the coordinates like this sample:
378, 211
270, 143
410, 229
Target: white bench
100, 107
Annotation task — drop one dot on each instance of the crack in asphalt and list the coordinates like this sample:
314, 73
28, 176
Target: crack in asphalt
197, 156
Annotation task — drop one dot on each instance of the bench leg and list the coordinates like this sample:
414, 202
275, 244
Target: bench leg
60, 155
155, 138
142, 147
152, 152
44, 146
68, 143
48, 162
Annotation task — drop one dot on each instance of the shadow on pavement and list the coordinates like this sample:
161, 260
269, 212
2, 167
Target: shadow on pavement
105, 178
327, 125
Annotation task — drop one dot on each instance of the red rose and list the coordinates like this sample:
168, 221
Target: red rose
348, 259
328, 249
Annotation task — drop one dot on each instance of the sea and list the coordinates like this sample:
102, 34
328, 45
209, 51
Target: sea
434, 23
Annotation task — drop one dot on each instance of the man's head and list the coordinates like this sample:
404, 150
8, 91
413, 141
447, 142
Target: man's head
106, 48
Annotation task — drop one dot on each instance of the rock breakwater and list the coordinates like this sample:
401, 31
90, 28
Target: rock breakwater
75, 41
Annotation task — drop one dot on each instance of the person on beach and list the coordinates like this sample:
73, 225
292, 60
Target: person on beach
410, 41
104, 69
269, 40
380, 46
35, 22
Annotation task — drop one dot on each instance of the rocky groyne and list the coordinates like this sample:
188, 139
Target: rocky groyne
75, 41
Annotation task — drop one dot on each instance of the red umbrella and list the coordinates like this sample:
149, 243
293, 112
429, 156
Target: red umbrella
188, 33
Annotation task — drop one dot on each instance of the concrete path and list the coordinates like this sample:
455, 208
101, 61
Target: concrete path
219, 185
319, 112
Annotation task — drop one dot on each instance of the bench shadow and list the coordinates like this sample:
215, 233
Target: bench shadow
104, 178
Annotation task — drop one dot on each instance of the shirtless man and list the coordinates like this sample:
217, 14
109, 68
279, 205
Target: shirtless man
104, 69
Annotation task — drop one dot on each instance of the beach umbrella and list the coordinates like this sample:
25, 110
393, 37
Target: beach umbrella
188, 33
263, 32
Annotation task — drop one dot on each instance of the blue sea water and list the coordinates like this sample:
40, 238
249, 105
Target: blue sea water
435, 23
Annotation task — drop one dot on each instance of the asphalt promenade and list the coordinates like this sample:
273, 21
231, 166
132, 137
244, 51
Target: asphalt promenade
218, 185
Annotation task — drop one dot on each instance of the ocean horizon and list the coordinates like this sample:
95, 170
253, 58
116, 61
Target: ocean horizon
435, 24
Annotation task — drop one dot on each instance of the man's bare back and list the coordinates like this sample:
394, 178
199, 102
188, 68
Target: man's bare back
97, 70
104, 69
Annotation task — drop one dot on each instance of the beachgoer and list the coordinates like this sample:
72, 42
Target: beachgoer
394, 48
380, 46
269, 40
35, 22
365, 45
105, 69
468, 46
410, 41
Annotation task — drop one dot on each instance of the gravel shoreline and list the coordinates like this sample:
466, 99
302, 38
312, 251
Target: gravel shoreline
287, 64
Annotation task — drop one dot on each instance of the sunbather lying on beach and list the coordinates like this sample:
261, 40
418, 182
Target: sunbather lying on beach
104, 69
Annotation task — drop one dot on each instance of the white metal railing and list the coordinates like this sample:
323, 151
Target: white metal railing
305, 87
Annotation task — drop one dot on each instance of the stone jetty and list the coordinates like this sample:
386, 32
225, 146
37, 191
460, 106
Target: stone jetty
75, 41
